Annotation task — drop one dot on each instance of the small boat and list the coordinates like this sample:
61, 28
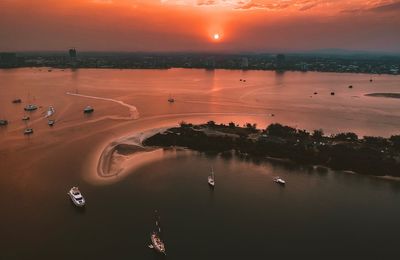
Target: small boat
28, 131
16, 101
171, 100
30, 107
25, 118
50, 111
350, 86
332, 93
211, 178
76, 197
88, 110
3, 122
279, 180
51, 122
156, 241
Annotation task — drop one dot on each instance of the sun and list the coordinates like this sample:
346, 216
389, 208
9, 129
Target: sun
216, 36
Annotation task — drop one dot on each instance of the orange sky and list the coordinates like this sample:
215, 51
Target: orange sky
188, 25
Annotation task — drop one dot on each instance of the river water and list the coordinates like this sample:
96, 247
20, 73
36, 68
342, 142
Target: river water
317, 215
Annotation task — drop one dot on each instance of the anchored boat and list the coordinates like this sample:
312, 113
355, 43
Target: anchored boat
279, 180
88, 110
156, 241
211, 178
76, 197
50, 111
28, 131
30, 107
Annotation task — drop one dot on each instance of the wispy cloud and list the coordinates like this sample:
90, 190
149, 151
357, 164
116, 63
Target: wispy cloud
299, 5
391, 7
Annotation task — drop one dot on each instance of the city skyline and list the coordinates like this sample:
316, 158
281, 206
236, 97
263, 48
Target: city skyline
202, 25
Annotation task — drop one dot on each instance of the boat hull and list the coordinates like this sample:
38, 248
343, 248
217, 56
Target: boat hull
157, 244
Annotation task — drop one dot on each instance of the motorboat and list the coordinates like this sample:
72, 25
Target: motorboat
88, 110
50, 111
171, 100
156, 241
25, 118
3, 122
30, 107
28, 131
16, 101
76, 197
51, 122
211, 179
279, 180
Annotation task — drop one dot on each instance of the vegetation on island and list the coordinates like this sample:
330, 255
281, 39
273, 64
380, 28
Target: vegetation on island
344, 151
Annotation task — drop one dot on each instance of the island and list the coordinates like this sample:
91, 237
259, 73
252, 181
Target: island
369, 155
385, 95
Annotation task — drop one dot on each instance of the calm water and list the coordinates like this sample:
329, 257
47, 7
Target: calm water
317, 215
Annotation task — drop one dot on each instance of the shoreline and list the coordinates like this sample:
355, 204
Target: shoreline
196, 68
384, 95
372, 156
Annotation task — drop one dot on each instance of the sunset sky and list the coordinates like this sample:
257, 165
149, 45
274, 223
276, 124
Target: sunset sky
199, 25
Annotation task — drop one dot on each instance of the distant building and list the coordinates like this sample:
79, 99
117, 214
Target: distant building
8, 59
210, 63
245, 63
72, 53
280, 61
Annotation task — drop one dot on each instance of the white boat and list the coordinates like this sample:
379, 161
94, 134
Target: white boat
88, 110
51, 122
3, 122
25, 118
76, 197
156, 242
50, 111
28, 131
211, 178
30, 107
279, 180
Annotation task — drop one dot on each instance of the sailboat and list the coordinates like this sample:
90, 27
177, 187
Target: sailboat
171, 99
211, 178
156, 242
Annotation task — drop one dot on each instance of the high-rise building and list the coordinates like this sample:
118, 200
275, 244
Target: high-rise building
280, 61
245, 63
72, 53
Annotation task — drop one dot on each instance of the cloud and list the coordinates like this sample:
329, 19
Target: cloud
294, 5
391, 7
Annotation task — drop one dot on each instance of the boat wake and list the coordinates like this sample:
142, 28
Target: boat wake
133, 111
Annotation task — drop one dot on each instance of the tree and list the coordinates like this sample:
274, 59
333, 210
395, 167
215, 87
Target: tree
346, 137
211, 123
280, 130
318, 134
395, 139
